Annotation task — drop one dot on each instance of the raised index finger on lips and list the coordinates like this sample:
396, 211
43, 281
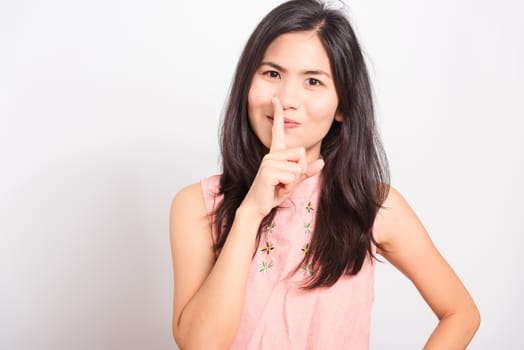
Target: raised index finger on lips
278, 142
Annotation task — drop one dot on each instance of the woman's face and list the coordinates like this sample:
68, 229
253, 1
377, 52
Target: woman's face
296, 70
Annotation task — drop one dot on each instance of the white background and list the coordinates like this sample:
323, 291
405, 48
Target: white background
108, 108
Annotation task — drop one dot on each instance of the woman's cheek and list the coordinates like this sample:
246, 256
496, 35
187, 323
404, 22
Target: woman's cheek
258, 93
257, 103
323, 107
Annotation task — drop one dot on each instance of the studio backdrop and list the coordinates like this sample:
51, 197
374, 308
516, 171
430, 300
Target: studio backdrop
108, 108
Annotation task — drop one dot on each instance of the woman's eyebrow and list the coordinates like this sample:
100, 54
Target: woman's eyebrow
273, 65
307, 72
317, 72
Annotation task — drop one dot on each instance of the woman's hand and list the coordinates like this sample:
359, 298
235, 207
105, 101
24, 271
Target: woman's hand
280, 171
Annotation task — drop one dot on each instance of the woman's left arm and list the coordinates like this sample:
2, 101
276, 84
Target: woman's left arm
406, 244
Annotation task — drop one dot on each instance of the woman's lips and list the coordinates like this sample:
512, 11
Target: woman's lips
288, 123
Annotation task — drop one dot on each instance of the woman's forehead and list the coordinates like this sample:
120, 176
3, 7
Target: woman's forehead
298, 50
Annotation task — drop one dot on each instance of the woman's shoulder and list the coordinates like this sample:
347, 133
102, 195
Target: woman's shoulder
197, 195
189, 196
394, 209
396, 223
393, 199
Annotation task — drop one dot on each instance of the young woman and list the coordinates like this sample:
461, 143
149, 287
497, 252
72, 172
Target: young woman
278, 251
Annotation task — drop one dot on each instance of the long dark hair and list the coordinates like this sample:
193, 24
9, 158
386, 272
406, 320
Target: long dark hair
355, 175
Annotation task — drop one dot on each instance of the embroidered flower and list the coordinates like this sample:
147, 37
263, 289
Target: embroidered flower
268, 248
265, 266
308, 269
307, 228
309, 207
305, 248
269, 228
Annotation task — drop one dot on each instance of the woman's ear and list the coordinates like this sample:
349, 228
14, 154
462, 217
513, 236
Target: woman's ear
339, 117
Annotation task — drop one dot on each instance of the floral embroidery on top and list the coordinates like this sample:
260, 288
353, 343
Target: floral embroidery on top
309, 207
308, 269
268, 248
307, 228
269, 228
265, 266
305, 248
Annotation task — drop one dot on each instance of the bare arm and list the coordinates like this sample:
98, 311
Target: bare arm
209, 294
407, 245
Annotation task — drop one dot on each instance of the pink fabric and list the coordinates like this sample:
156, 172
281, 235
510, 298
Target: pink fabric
277, 314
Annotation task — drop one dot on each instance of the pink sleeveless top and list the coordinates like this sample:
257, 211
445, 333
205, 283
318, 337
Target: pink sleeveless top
276, 313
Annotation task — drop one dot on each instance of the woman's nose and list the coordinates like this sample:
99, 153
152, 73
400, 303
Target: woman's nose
290, 95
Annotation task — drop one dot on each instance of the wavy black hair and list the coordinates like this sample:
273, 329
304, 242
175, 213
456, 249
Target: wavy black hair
355, 175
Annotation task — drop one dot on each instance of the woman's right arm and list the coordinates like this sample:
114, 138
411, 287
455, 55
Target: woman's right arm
209, 294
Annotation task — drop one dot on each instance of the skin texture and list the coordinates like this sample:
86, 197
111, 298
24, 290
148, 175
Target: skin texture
209, 296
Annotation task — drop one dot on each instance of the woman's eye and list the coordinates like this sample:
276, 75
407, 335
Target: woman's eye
313, 82
272, 74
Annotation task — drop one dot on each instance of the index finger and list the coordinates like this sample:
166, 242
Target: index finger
278, 142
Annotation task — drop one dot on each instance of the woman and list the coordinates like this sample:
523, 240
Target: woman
278, 251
